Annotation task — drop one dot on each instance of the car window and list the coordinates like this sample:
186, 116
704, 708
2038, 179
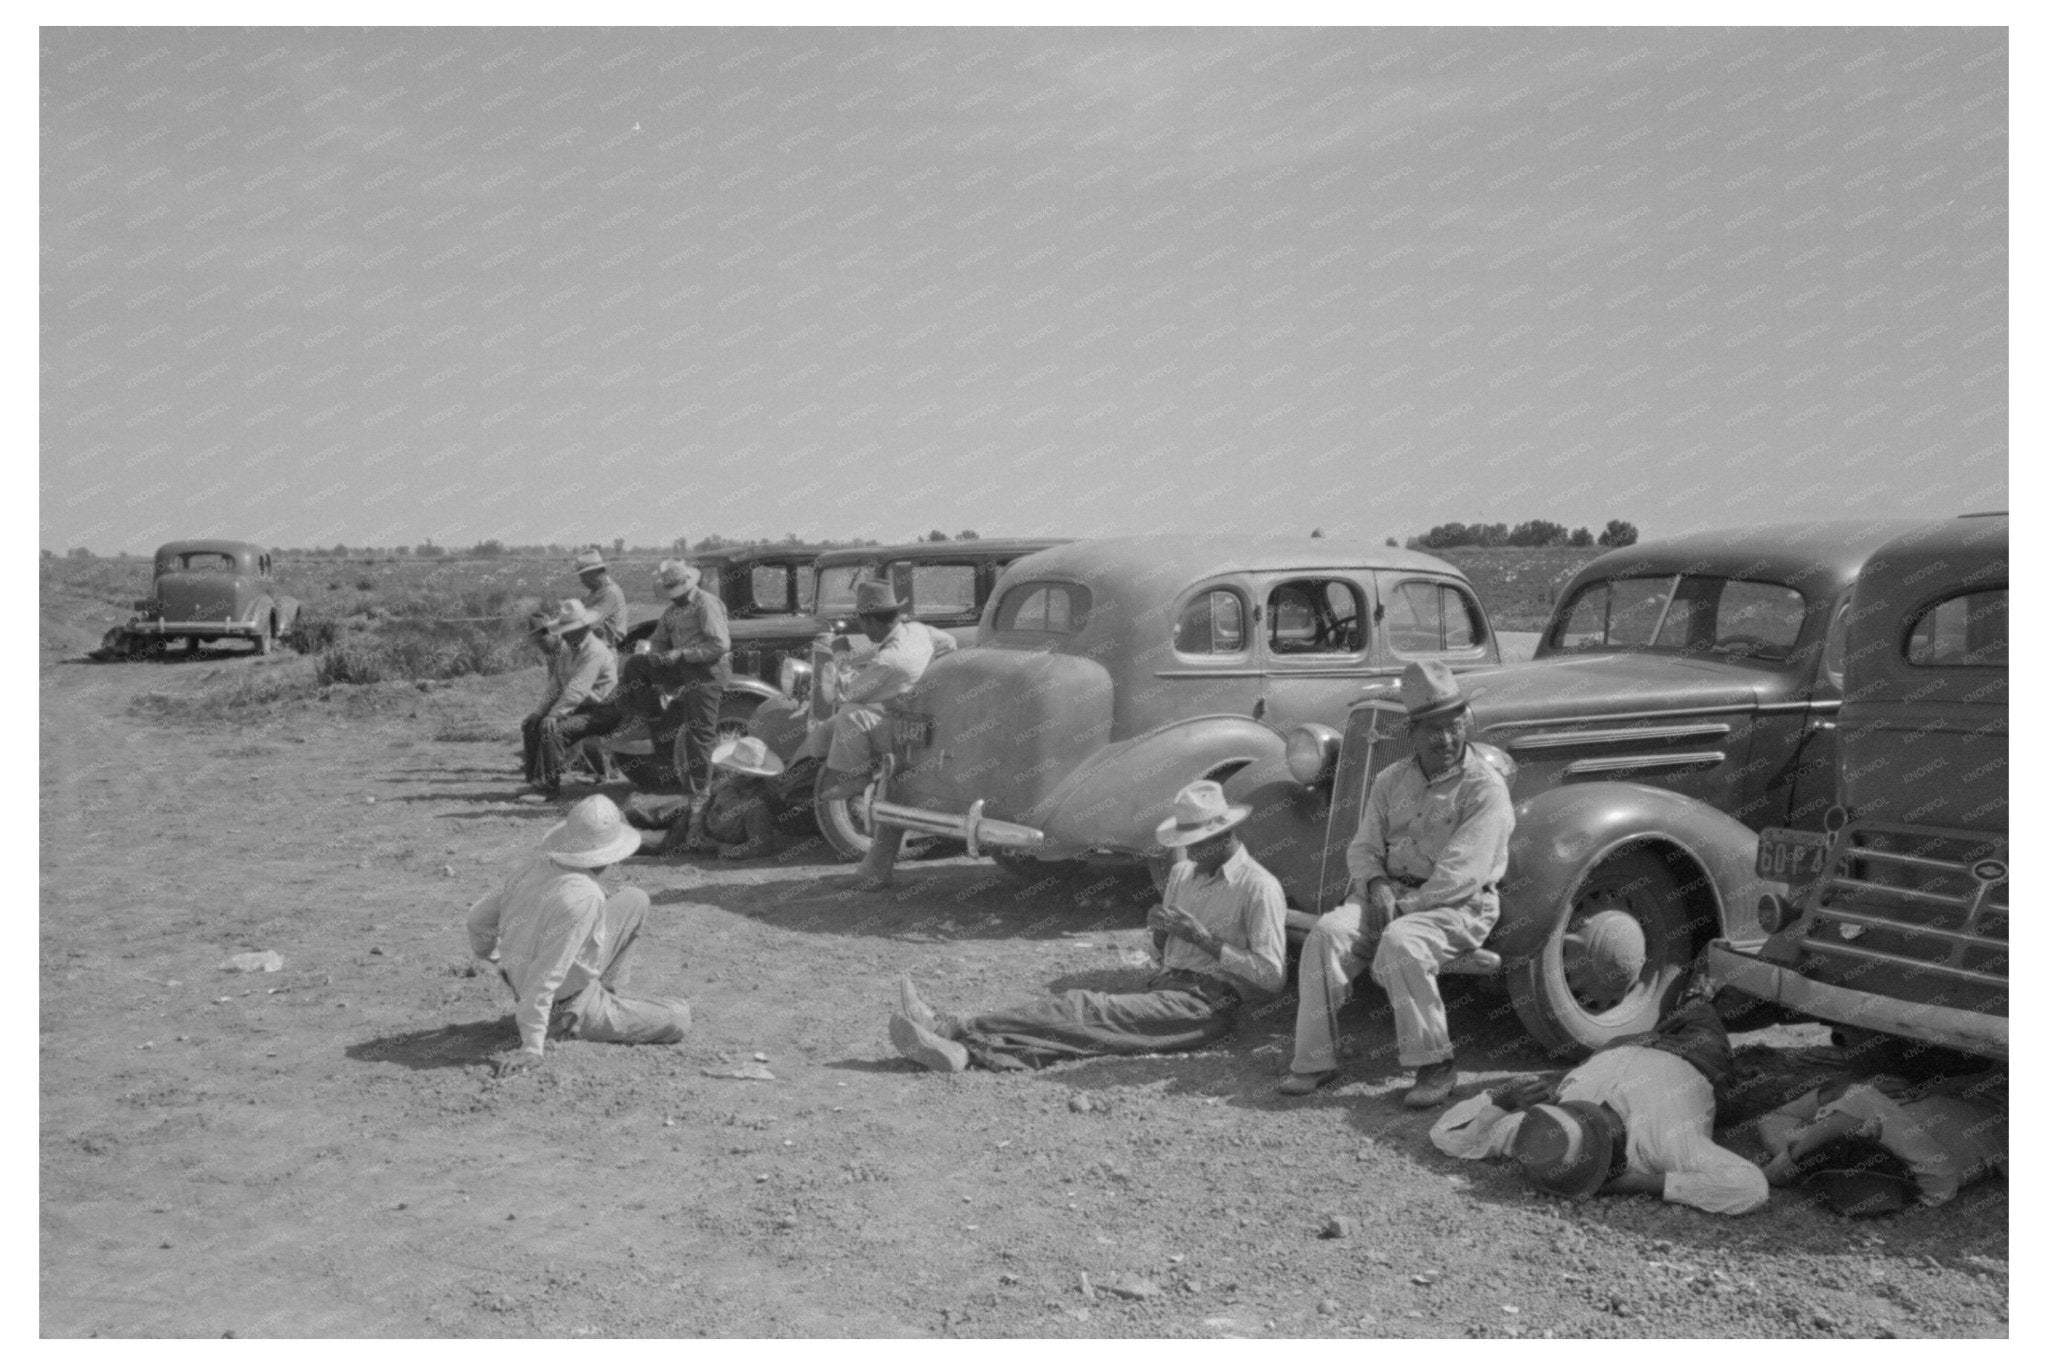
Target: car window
769, 584
1428, 617
1835, 655
1966, 631
806, 587
1049, 608
936, 589
1614, 613
709, 582
1763, 619
835, 588
206, 562
1213, 623
1315, 616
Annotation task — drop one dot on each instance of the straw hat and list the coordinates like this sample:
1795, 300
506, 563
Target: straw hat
875, 597
572, 615
1568, 1149
1429, 689
1199, 812
594, 835
746, 755
675, 578
586, 560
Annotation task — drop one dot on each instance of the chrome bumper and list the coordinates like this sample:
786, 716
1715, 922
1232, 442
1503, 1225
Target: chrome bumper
1944, 1025
191, 627
975, 829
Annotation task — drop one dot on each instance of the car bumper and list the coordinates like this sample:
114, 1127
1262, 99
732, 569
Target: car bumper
215, 628
972, 828
1985, 1034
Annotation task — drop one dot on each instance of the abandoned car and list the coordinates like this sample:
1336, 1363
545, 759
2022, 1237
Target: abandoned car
207, 590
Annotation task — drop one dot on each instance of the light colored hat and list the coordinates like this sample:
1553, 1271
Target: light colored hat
573, 615
675, 578
1199, 812
594, 835
586, 560
746, 755
1567, 1149
874, 597
1429, 688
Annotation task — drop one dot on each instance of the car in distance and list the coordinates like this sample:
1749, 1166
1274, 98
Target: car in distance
1682, 696
1898, 911
1113, 672
207, 590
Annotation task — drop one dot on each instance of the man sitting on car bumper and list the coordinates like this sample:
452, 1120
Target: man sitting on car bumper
907, 648
1219, 938
1429, 854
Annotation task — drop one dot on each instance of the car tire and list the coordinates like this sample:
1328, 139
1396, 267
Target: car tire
847, 834
266, 640
1574, 1001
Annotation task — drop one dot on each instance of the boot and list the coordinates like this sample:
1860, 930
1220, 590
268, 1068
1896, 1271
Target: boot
878, 869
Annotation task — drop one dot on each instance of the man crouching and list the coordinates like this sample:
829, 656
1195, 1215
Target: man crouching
565, 948
1219, 938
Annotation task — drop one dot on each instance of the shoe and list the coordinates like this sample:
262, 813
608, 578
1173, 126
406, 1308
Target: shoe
1308, 1082
924, 1047
1433, 1085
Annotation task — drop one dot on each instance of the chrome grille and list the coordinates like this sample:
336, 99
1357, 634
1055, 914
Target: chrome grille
1375, 735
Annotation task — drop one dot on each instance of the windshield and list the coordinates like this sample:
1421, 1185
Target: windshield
835, 588
1689, 613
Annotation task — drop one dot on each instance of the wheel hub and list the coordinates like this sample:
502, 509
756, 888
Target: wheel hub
1604, 955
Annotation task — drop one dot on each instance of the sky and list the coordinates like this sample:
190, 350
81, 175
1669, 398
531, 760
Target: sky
375, 287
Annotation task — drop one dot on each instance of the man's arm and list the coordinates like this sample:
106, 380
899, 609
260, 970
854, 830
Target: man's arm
483, 926
715, 640
1366, 856
570, 930
889, 672
1474, 1128
1475, 855
1262, 962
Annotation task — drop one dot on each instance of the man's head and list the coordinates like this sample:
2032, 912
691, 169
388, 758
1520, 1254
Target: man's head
1569, 1149
538, 635
875, 603
572, 622
590, 568
676, 579
1204, 824
1439, 717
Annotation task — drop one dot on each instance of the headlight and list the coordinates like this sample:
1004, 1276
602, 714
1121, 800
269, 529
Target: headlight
1772, 914
792, 674
1312, 753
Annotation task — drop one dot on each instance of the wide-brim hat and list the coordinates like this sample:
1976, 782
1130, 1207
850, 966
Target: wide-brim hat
675, 578
573, 615
595, 835
1429, 689
1567, 1149
537, 622
746, 755
1199, 812
875, 597
586, 560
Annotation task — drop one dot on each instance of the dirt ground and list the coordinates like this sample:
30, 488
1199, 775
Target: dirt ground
322, 1151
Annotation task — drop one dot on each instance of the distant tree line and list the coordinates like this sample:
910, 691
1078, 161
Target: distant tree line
1536, 533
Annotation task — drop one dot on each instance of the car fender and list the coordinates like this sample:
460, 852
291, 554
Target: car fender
1563, 833
1118, 797
1287, 829
753, 687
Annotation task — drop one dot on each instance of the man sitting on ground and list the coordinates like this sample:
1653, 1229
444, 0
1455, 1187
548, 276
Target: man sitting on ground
581, 677
739, 819
606, 599
564, 946
1219, 937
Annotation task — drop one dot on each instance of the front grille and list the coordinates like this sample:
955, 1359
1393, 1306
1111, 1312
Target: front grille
1916, 913
1375, 735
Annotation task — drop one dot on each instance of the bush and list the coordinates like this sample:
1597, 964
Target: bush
311, 635
410, 651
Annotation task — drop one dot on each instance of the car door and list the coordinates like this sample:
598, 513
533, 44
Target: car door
1314, 641
1212, 664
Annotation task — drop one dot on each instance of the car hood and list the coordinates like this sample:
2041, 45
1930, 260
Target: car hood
1579, 689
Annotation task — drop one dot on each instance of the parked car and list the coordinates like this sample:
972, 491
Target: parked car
946, 584
1683, 695
207, 590
1113, 672
1898, 911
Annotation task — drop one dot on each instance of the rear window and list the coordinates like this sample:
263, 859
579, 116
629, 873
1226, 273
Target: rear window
770, 587
1046, 608
207, 561
1965, 631
1212, 623
1693, 613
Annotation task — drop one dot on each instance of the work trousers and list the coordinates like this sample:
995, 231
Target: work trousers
548, 740
693, 714
860, 737
1404, 962
1177, 1012
601, 1009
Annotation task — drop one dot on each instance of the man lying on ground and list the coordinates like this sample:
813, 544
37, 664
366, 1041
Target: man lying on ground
737, 821
1219, 938
565, 947
1636, 1117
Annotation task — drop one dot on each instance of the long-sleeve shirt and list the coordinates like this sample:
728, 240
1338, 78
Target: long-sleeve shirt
1242, 904
588, 671
608, 600
544, 928
1668, 1108
692, 630
897, 663
1443, 842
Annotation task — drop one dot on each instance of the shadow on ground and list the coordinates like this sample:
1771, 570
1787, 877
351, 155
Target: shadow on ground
432, 1049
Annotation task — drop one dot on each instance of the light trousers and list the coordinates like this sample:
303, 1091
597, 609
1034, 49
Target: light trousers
1404, 962
599, 1008
860, 736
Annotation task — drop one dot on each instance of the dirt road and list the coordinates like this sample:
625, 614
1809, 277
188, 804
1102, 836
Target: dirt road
320, 1150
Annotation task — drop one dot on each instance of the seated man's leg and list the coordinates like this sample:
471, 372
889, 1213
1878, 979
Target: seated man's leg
529, 734
1093, 1024
1405, 965
1329, 960
606, 1012
857, 732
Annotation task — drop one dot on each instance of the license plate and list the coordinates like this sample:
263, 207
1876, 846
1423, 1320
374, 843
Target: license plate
914, 731
1790, 855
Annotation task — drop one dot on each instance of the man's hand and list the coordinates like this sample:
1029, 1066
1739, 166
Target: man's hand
512, 1063
1177, 923
1524, 1092
1380, 907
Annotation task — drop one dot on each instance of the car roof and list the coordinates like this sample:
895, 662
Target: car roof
1932, 557
1778, 552
1007, 548
1175, 559
746, 554
218, 547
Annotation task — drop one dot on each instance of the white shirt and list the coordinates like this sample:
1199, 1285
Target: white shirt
897, 663
1669, 1109
1242, 904
545, 928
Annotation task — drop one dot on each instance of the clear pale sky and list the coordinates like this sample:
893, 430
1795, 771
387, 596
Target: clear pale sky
370, 287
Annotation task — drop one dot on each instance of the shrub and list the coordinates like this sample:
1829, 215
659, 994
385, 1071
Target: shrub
315, 634
404, 650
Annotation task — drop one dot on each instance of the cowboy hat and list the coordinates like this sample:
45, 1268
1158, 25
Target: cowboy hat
747, 755
573, 615
1429, 689
538, 621
1567, 1149
594, 835
1199, 812
675, 578
586, 560
875, 597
